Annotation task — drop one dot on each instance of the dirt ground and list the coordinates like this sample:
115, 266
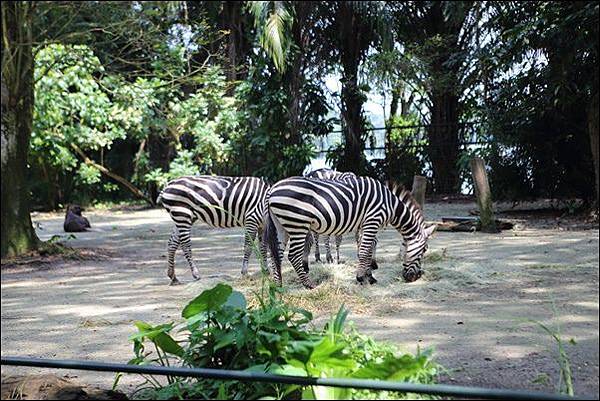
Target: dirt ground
470, 305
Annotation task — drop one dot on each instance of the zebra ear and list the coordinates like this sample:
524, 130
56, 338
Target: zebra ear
430, 230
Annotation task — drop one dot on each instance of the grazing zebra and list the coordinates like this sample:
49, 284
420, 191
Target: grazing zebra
298, 205
329, 174
219, 202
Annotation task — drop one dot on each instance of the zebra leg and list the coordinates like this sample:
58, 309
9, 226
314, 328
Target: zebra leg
265, 262
186, 246
328, 256
365, 256
373, 263
249, 238
338, 242
296, 255
276, 271
317, 253
171, 249
358, 238
307, 245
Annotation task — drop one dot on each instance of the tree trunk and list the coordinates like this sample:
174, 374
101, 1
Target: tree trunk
390, 147
353, 127
419, 188
237, 48
18, 235
394, 104
294, 75
443, 142
352, 99
444, 75
593, 131
484, 196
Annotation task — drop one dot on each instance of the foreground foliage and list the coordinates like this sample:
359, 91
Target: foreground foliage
221, 331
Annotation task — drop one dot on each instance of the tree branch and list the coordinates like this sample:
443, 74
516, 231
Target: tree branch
112, 175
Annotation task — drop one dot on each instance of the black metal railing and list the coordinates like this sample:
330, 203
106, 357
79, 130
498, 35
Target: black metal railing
244, 376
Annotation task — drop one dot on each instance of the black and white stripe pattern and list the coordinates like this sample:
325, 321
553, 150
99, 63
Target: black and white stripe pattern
329, 174
219, 202
298, 205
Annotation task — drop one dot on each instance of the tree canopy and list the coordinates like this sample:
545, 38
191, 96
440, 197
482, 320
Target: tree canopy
120, 97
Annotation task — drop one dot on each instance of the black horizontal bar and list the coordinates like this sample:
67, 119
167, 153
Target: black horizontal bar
218, 374
411, 145
415, 126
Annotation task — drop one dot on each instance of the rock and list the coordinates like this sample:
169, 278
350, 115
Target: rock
51, 387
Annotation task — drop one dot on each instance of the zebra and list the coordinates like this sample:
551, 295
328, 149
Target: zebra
219, 202
298, 205
329, 174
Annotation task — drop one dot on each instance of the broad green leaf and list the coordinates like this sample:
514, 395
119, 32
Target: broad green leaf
166, 343
288, 370
328, 354
308, 393
225, 340
236, 300
148, 331
208, 300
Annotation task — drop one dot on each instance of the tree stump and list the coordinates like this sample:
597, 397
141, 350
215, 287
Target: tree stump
418, 189
484, 196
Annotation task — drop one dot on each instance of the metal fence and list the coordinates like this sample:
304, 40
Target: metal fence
414, 143
245, 376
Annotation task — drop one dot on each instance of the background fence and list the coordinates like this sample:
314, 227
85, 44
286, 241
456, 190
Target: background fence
518, 169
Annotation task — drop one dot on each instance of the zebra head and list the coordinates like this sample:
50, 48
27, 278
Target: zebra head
409, 221
415, 249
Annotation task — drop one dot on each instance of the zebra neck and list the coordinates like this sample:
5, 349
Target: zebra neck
408, 225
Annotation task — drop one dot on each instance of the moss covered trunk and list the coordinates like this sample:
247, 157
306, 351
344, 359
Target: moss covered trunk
18, 235
593, 131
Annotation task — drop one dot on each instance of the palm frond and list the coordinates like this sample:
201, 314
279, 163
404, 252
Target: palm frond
273, 20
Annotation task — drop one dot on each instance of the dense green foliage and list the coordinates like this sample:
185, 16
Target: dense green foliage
129, 95
221, 331
539, 113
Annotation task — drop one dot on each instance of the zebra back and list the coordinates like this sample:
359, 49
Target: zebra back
216, 200
329, 174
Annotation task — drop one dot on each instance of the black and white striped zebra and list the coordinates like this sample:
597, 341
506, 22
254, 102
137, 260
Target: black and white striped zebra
298, 205
219, 202
329, 174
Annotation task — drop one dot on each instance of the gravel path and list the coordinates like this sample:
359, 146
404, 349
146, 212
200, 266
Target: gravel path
470, 305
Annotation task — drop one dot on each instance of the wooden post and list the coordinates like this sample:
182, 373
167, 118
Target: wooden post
484, 196
418, 189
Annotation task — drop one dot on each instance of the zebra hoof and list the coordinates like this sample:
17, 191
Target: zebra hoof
374, 265
174, 281
372, 280
329, 260
360, 279
310, 285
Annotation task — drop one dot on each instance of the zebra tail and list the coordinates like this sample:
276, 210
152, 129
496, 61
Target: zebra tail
272, 242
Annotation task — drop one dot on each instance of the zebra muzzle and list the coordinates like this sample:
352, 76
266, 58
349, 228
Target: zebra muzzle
411, 274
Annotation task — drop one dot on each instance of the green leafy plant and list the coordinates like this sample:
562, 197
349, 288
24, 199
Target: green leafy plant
565, 379
221, 331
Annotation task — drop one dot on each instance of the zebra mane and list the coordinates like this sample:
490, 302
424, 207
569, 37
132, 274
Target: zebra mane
409, 201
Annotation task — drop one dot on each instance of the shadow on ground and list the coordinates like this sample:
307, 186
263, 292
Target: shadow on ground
470, 305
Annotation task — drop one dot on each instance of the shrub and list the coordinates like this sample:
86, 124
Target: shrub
221, 332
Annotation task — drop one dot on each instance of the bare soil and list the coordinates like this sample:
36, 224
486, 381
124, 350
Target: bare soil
470, 306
